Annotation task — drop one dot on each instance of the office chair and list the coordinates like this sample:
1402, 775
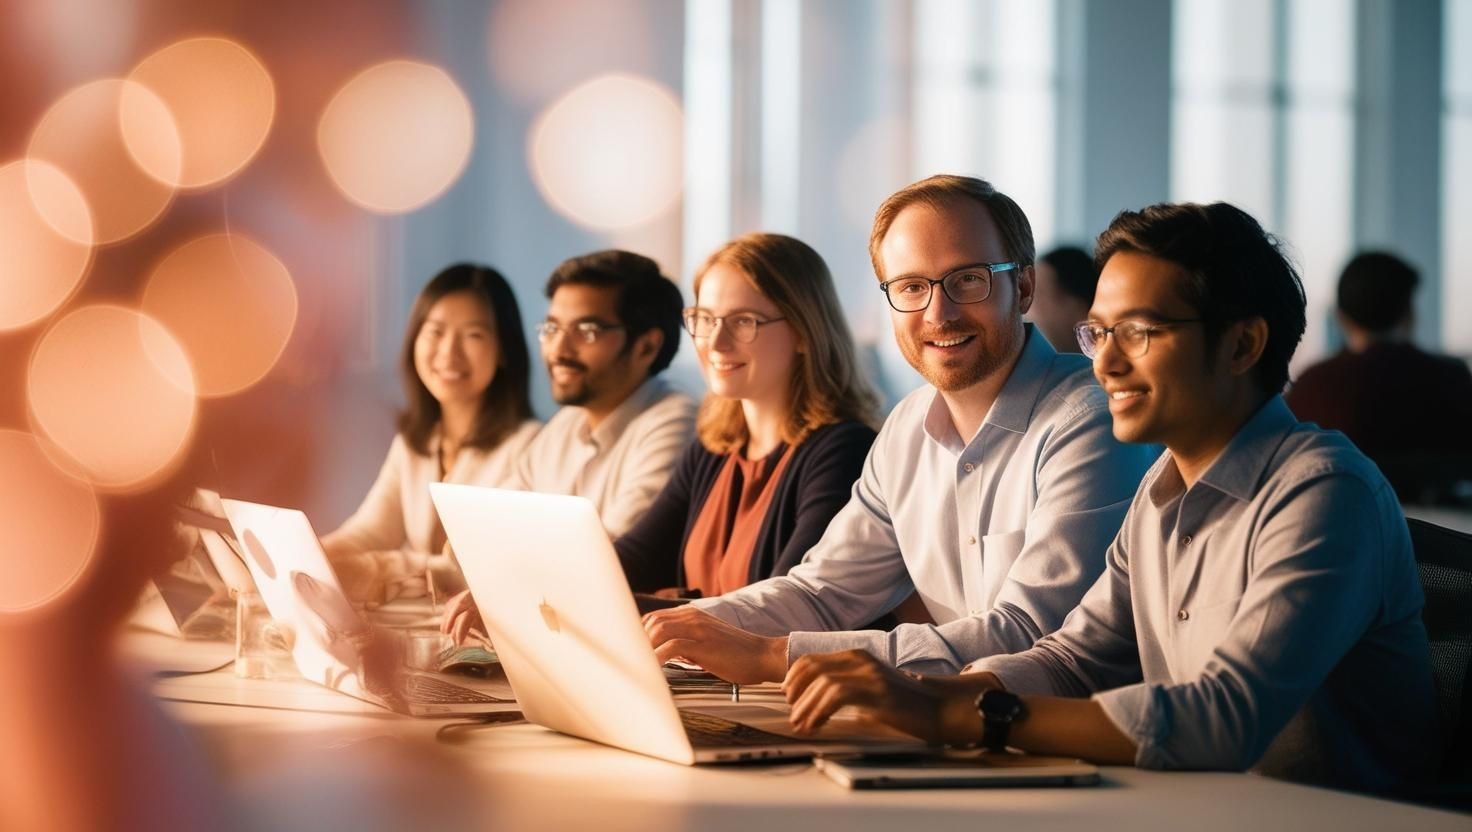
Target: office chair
1444, 560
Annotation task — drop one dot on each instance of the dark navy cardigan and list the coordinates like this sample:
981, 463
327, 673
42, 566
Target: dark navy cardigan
816, 484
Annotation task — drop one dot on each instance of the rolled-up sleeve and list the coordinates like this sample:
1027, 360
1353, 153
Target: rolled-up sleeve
1312, 591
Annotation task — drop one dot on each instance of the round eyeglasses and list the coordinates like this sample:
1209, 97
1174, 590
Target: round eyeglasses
743, 326
585, 331
1132, 337
972, 284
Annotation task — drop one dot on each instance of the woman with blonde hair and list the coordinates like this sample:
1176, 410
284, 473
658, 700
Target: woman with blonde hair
781, 435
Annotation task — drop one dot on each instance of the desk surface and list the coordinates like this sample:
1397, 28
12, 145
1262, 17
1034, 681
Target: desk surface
536, 779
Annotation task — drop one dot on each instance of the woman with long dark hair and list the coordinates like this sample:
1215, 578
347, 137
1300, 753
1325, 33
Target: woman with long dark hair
465, 370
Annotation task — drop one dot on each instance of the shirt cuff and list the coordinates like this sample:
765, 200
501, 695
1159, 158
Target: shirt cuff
1139, 712
875, 642
1018, 673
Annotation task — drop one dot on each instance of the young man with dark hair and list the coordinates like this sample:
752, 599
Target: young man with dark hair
1066, 279
612, 326
990, 493
1260, 607
1407, 409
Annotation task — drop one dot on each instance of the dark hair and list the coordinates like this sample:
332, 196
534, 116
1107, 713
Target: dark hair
1375, 290
1234, 271
1078, 275
646, 299
506, 402
1011, 222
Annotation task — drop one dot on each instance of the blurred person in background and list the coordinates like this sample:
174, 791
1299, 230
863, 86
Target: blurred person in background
1407, 409
465, 371
1066, 277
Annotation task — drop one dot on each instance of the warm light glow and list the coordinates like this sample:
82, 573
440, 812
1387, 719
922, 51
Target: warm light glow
230, 303
51, 525
607, 155
82, 134
114, 391
222, 100
538, 50
42, 268
396, 136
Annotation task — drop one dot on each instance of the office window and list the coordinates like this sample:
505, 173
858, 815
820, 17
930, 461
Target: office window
985, 99
1263, 117
1456, 306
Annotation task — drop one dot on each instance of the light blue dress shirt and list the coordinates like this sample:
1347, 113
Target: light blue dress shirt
1000, 535
1267, 617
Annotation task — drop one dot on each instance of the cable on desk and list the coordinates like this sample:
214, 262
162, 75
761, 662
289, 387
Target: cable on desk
454, 733
176, 674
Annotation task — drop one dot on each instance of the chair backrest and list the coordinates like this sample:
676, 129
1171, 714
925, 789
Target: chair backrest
1444, 559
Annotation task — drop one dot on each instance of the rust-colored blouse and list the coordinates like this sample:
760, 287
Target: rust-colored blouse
722, 540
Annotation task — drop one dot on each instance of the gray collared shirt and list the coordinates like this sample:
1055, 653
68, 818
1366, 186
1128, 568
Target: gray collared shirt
1268, 617
1000, 536
623, 463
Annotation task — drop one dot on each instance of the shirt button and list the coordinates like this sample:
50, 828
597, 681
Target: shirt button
1183, 615
968, 467
1185, 540
971, 541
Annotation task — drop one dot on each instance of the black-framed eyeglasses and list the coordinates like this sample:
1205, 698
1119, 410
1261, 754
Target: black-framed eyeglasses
972, 284
1132, 337
586, 331
743, 326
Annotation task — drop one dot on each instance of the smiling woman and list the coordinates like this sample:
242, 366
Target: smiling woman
782, 433
464, 367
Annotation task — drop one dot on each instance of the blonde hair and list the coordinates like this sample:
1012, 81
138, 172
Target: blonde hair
826, 386
935, 190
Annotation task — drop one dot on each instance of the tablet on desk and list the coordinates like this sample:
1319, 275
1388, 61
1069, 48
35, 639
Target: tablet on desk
932, 770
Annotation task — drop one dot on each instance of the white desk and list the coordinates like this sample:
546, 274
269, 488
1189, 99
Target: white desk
536, 779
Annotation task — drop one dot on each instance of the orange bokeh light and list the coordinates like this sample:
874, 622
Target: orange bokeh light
113, 390
608, 154
42, 267
51, 524
82, 135
231, 304
396, 136
222, 100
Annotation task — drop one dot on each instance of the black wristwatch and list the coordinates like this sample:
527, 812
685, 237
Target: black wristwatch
998, 709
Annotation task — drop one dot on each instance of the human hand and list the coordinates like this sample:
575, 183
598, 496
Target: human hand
935, 709
723, 649
377, 577
460, 618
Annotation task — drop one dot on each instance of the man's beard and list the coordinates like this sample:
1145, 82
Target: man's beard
576, 394
997, 349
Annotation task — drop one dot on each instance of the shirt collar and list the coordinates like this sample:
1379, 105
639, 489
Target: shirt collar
1240, 466
609, 430
1013, 408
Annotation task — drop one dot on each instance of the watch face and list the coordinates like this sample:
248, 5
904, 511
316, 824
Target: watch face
1000, 705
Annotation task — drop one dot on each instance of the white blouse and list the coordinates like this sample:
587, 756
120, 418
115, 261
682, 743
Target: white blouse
397, 513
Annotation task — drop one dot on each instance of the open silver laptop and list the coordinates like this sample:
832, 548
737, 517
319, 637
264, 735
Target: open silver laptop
302, 592
558, 608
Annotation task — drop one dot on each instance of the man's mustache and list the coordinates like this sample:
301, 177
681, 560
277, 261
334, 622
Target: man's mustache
945, 332
568, 363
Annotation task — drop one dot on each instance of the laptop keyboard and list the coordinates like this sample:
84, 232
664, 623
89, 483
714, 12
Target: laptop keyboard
428, 690
706, 730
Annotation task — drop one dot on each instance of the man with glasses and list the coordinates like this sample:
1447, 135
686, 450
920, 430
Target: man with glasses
1260, 607
990, 495
612, 325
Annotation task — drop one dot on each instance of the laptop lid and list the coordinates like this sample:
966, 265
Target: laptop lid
332, 641
556, 604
